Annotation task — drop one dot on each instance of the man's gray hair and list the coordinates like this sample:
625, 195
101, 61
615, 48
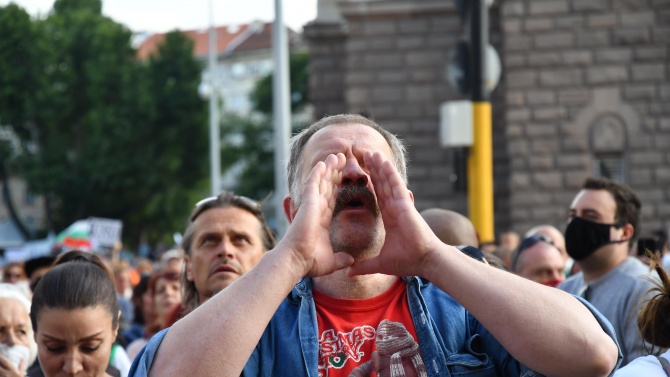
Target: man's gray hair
298, 142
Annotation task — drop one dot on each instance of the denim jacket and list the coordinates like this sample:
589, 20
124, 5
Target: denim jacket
452, 341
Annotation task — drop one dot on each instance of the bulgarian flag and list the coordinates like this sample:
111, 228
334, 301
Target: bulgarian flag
76, 236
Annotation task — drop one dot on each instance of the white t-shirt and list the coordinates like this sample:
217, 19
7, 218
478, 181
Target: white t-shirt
647, 366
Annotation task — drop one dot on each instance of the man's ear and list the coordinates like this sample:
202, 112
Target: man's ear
289, 210
628, 231
411, 195
187, 268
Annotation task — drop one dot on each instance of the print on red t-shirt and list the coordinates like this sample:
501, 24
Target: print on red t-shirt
350, 331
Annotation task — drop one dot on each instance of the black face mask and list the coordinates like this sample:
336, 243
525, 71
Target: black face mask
583, 237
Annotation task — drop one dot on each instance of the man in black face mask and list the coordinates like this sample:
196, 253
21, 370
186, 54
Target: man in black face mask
604, 222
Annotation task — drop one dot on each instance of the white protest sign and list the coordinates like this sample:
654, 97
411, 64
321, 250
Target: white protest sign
105, 232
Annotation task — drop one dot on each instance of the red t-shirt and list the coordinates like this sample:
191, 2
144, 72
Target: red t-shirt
351, 330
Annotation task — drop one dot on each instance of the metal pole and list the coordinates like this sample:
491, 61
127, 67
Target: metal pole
282, 112
214, 131
480, 163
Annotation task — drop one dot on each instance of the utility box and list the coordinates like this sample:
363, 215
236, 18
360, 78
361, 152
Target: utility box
456, 124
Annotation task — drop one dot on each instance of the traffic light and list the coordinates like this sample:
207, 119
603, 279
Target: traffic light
468, 72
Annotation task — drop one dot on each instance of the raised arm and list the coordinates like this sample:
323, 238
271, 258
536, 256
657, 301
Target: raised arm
218, 337
544, 328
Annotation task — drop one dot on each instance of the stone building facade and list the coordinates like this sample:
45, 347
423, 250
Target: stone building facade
584, 92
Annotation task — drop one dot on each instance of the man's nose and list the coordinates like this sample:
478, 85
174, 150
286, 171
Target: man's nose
353, 174
225, 249
10, 338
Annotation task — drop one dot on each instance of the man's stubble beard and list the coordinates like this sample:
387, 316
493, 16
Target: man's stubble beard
358, 240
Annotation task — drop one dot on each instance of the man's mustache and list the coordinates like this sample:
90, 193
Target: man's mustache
346, 194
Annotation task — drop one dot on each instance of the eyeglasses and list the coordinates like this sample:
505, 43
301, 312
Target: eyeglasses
529, 242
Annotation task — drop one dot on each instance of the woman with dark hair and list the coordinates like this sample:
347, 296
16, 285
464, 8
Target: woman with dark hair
165, 292
75, 316
654, 324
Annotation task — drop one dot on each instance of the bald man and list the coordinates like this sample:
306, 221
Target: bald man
559, 241
451, 227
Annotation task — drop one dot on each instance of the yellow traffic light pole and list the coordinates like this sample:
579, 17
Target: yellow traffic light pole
480, 172
480, 161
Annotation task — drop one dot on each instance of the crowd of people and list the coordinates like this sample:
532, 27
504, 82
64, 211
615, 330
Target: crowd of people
361, 283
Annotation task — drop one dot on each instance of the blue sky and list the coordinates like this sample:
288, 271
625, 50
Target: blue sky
165, 15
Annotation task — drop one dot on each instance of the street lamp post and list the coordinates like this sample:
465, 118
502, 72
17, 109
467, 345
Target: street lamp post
214, 131
282, 112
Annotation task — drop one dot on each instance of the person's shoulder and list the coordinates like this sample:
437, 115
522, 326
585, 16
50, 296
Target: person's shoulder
647, 366
572, 284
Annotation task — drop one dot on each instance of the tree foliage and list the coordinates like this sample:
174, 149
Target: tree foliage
248, 142
104, 134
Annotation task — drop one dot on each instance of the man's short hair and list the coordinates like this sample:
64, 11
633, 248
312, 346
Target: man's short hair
225, 199
299, 141
627, 203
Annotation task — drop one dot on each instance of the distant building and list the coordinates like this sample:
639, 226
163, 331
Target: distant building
584, 92
244, 56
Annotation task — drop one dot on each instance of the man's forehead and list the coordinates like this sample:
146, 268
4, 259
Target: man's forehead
599, 200
333, 136
226, 218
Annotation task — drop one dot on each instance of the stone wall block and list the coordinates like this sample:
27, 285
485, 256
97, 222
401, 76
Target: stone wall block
570, 22
539, 162
420, 93
520, 181
570, 161
662, 34
537, 7
518, 115
639, 91
642, 19
549, 113
561, 77
575, 178
513, 8
514, 98
577, 57
593, 38
602, 21
544, 146
614, 55
514, 61
589, 5
538, 24
414, 26
379, 27
427, 58
656, 53
641, 176
574, 96
518, 43
387, 93
575, 145
554, 40
649, 72
645, 158
631, 36
544, 59
521, 79
511, 26
540, 130
540, 97
605, 75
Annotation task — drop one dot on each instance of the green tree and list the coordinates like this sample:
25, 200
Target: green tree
105, 135
248, 141
19, 78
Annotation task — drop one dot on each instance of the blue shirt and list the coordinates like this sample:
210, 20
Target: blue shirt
451, 340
